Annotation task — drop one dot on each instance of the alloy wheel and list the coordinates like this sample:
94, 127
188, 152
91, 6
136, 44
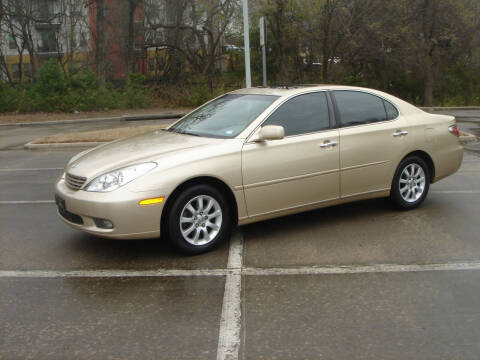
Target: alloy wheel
200, 220
412, 182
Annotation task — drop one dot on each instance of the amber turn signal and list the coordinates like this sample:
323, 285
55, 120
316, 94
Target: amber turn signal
151, 201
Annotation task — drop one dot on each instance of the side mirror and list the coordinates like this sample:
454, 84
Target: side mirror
271, 132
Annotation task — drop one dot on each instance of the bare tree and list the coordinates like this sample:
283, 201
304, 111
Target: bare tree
201, 25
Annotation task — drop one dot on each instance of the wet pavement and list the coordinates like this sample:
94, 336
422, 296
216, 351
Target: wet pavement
107, 312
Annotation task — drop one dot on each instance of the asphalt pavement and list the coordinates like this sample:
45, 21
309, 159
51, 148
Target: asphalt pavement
356, 281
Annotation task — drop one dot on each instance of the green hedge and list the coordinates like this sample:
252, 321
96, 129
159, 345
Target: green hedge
54, 91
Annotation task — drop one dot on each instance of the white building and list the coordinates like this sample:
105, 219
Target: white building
35, 30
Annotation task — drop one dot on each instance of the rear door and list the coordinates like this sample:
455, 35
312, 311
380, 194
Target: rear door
373, 139
300, 169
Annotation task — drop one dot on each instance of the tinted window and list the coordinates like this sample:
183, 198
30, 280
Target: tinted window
392, 112
303, 114
358, 108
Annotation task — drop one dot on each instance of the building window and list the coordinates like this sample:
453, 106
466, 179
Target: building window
48, 41
12, 44
46, 10
160, 63
151, 64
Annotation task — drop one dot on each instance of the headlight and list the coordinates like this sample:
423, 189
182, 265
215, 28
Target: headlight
117, 178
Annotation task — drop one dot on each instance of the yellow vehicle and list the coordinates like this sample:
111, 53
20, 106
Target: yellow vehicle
255, 154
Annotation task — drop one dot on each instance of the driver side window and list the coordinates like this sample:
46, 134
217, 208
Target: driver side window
302, 114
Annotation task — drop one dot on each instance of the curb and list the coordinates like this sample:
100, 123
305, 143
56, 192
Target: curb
467, 138
153, 117
31, 146
55, 122
116, 118
447, 108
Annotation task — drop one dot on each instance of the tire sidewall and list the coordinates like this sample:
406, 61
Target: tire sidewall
173, 219
395, 195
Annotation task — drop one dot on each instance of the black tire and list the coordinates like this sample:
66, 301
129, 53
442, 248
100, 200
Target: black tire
396, 197
175, 211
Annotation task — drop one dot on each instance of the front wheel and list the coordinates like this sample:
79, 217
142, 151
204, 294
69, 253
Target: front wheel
410, 184
199, 219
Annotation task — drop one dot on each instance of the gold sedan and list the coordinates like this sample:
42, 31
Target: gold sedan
255, 154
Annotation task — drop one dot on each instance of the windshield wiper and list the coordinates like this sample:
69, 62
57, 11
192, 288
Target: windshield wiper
189, 133
178, 131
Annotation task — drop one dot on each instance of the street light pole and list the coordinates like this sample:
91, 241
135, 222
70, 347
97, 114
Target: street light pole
246, 44
263, 40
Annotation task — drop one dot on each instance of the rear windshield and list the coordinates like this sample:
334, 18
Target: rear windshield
224, 117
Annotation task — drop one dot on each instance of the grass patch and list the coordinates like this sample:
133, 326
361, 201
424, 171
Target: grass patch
98, 135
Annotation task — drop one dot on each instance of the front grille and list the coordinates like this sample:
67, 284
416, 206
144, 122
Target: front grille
74, 182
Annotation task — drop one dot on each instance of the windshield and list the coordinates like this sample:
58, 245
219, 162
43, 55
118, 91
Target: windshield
225, 117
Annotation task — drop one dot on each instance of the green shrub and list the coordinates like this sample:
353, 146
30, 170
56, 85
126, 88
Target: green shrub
55, 91
136, 94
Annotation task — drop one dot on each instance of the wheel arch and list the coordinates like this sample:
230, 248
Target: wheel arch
425, 157
204, 180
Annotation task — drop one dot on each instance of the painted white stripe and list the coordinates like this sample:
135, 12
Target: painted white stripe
361, 269
231, 319
455, 191
32, 169
22, 202
109, 273
307, 270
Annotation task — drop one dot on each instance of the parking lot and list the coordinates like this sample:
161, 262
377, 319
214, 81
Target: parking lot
356, 281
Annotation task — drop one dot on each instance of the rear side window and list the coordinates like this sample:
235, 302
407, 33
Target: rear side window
358, 108
392, 112
302, 115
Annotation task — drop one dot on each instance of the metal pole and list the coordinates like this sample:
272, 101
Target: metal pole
246, 44
263, 43
264, 66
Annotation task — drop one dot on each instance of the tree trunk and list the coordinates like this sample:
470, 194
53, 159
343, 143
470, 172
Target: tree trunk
429, 81
100, 46
130, 38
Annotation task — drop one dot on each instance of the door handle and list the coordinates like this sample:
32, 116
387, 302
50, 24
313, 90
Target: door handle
328, 144
400, 133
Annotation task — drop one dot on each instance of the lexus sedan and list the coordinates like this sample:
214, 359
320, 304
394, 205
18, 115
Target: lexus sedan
255, 154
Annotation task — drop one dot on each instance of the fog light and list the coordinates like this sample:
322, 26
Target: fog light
103, 223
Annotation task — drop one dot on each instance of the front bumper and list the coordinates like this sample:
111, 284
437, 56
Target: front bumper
130, 220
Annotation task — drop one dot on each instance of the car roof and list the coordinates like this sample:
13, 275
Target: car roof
288, 90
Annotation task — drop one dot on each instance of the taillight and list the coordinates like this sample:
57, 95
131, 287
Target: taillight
454, 130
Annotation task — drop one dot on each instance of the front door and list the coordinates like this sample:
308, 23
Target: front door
300, 169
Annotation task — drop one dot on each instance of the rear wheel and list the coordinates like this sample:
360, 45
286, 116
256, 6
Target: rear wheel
410, 184
199, 219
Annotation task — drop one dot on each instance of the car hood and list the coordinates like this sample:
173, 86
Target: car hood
136, 149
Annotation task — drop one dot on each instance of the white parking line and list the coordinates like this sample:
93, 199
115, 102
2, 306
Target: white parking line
231, 319
22, 202
32, 169
247, 271
455, 191
109, 273
361, 269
